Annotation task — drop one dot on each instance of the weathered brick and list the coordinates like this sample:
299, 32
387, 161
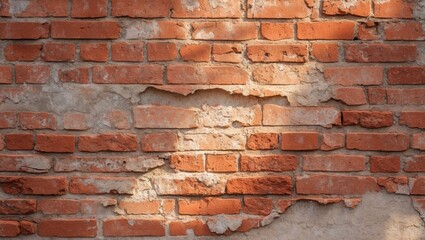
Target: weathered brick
269, 163
127, 52
377, 52
94, 52
24, 30
277, 9
33, 185
332, 141
236, 31
160, 142
143, 74
406, 75
336, 184
189, 186
367, 119
360, 8
220, 75
150, 116
417, 186
19, 141
230, 53
142, 9
258, 205
334, 163
206, 9
35, 74
352, 96
404, 31
325, 52
89, 8
222, 163
17, 206
156, 30
277, 31
187, 163
209, 206
196, 52
263, 141
6, 74
58, 206
85, 30
393, 9
58, 52
24, 163
213, 141
348, 76
68, 228
160, 51
413, 119
102, 185
341, 30
9, 228
22, 52
300, 141
278, 53
75, 121
418, 141
121, 227
74, 75
44, 8
37, 120
55, 143
108, 142
260, 185
385, 164
391, 142
199, 228
414, 164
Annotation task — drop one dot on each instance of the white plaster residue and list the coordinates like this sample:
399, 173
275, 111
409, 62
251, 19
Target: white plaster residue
191, 5
203, 34
221, 223
18, 6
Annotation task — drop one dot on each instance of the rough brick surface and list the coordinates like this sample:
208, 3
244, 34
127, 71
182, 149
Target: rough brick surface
202, 118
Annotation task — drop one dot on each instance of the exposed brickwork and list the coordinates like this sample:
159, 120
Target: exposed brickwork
138, 118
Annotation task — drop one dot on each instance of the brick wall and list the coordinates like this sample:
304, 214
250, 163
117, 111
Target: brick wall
161, 117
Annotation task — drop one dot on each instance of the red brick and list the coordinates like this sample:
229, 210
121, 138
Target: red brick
102, 185
121, 227
8, 120
297, 53
143, 74
187, 163
391, 142
209, 206
397, 184
89, 8
413, 119
22, 52
368, 31
19, 141
58, 206
74, 75
417, 186
58, 52
17, 206
351, 96
5, 8
85, 30
199, 228
68, 228
274, 115
44, 8
236, 31
189, 186
222, 163
55, 143
219, 75
336, 184
406, 75
326, 30
415, 164
377, 52
33, 185
127, 51
230, 53
27, 227
9, 228
332, 141
393, 9
24, 163
277, 9
161, 51
361, 75
334, 163
278, 74
367, 119
414, 96
75, 121
36, 74
263, 141
196, 52
277, 31
94, 207
160, 142
94, 52
150, 116
156, 30
24, 30
6, 74
404, 31
141, 207
119, 142
258, 205
269, 163
325, 52
37, 120
260, 185
418, 141
300, 141
384, 164
119, 119
360, 8
107, 164
206, 9
141, 9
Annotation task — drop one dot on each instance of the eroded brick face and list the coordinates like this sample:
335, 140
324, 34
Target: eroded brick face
160, 118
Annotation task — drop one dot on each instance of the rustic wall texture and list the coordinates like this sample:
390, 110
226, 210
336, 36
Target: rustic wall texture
206, 117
